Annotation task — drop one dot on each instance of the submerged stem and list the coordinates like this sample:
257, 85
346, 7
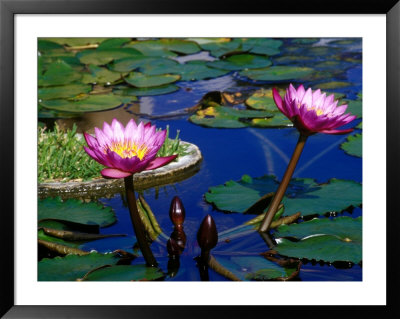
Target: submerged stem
283, 185
137, 224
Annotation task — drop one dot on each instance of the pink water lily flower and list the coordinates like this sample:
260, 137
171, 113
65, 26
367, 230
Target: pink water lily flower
313, 112
126, 150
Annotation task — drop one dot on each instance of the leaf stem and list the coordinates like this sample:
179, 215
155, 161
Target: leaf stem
283, 185
137, 224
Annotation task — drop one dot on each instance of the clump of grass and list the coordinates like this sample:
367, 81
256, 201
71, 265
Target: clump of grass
61, 156
172, 146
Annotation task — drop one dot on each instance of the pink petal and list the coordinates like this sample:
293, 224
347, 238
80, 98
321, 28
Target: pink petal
114, 173
160, 161
337, 132
129, 130
307, 99
107, 130
90, 140
148, 124
300, 92
278, 100
91, 153
118, 130
101, 137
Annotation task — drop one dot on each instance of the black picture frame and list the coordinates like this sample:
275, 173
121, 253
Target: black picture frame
8, 10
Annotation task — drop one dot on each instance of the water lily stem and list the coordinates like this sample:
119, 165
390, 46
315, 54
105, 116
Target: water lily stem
283, 185
137, 224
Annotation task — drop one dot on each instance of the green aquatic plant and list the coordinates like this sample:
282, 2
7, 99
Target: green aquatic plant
61, 156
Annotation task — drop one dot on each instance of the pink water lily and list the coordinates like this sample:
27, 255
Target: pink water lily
126, 150
313, 112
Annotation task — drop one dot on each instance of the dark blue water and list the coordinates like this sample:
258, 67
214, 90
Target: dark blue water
227, 155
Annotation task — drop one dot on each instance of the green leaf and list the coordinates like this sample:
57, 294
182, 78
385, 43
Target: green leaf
125, 273
332, 85
197, 70
252, 267
91, 103
302, 195
75, 211
261, 46
113, 43
338, 239
226, 117
148, 65
221, 48
73, 267
241, 61
65, 91
141, 80
354, 107
58, 73
278, 73
43, 236
72, 42
163, 47
353, 145
158, 90
263, 100
104, 56
278, 120
100, 75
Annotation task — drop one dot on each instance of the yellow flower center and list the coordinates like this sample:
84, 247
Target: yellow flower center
129, 149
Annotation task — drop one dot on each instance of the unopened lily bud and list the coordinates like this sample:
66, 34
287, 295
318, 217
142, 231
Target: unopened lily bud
177, 211
207, 236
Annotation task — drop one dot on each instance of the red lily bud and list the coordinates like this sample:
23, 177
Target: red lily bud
173, 248
207, 236
177, 211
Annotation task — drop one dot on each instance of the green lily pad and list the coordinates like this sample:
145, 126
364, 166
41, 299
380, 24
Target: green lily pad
165, 47
353, 145
293, 59
65, 91
197, 70
58, 73
72, 42
302, 195
241, 61
73, 267
221, 48
338, 239
125, 273
278, 73
278, 120
75, 211
145, 64
354, 107
43, 236
104, 56
45, 47
253, 267
100, 75
261, 46
332, 85
91, 103
157, 90
263, 100
226, 117
359, 126
113, 43
141, 80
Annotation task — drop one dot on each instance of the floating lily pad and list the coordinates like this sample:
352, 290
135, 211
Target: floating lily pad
165, 47
261, 46
73, 267
65, 91
221, 48
45, 46
72, 42
58, 73
125, 273
263, 100
332, 85
353, 145
305, 40
338, 239
145, 64
278, 73
354, 107
278, 120
302, 195
141, 80
226, 117
76, 211
254, 268
240, 62
104, 56
198, 70
158, 90
100, 75
91, 103
43, 236
113, 43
